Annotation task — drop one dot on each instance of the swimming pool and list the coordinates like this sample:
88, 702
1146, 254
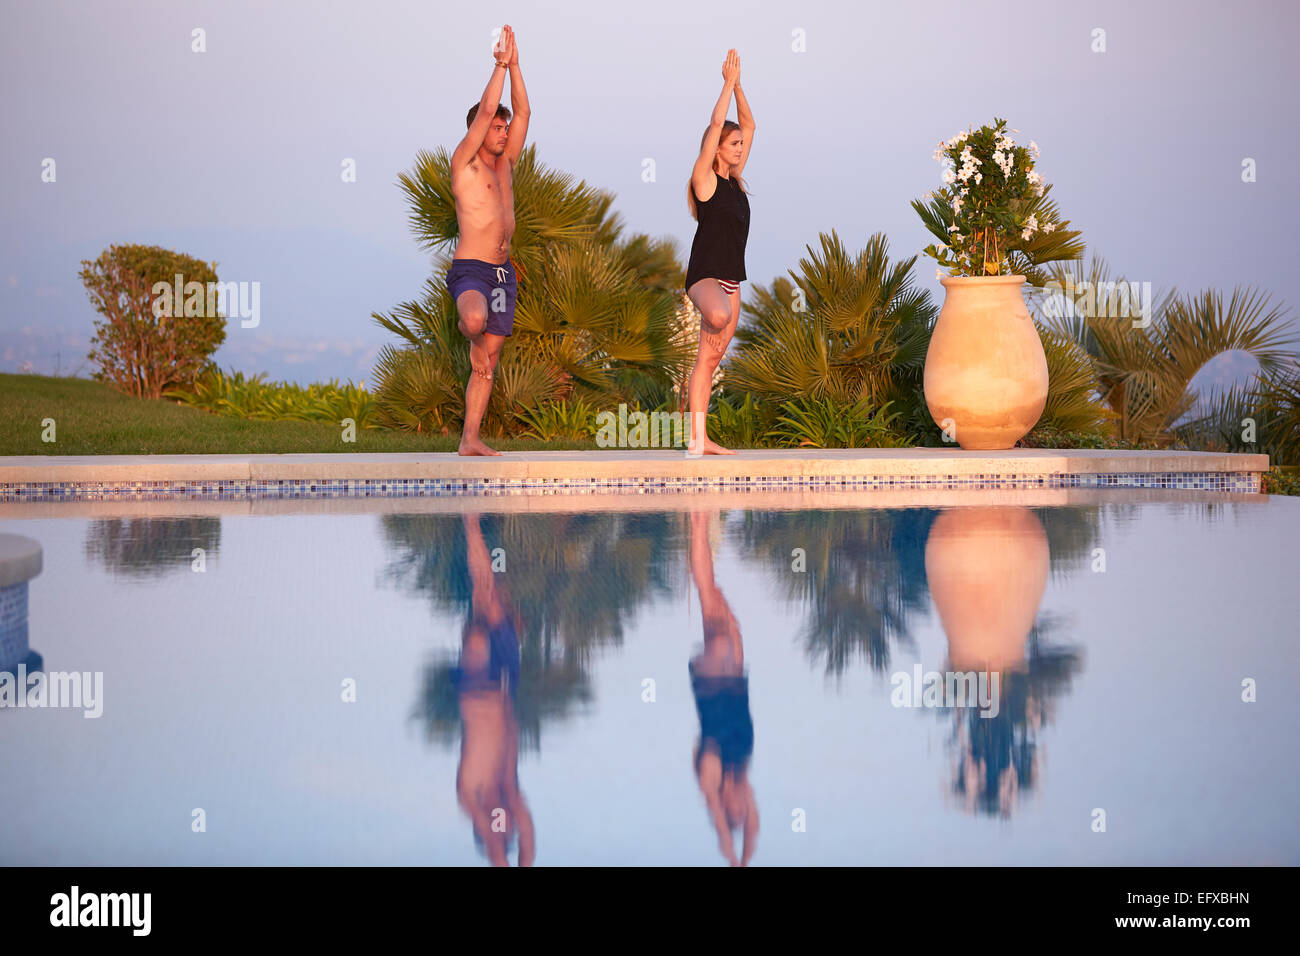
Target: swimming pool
300, 673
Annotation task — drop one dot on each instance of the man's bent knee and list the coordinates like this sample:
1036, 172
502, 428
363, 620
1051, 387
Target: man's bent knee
473, 323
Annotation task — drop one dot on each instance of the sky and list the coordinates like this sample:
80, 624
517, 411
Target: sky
234, 155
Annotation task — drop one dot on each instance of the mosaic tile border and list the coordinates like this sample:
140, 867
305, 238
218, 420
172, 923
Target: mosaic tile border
1229, 481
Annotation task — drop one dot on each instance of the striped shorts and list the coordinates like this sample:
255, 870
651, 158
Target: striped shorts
729, 287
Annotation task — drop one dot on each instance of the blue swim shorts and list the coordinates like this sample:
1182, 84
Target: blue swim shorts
496, 283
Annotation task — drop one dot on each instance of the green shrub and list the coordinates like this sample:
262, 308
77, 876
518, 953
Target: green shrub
141, 353
568, 418
254, 398
809, 423
1281, 480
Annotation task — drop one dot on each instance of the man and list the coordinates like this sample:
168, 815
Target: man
482, 278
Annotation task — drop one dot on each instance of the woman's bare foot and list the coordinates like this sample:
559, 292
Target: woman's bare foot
472, 446
709, 448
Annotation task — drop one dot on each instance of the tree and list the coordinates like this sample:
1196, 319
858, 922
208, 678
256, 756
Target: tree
595, 318
148, 341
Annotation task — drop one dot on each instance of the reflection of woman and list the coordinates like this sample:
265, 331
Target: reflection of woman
487, 781
721, 692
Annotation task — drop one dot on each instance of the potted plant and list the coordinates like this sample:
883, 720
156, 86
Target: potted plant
985, 372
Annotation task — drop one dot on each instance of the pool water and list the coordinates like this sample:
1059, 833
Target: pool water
456, 681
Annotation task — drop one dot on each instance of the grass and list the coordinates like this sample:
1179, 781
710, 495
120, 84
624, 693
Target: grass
92, 418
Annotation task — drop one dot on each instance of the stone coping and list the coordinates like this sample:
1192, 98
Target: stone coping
650, 463
20, 559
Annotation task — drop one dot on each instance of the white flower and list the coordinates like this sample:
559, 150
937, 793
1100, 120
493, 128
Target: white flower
979, 177
949, 177
1041, 190
1034, 147
1025, 234
956, 205
952, 228
1049, 227
1031, 223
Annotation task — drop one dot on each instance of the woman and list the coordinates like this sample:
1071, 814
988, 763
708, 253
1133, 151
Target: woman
717, 200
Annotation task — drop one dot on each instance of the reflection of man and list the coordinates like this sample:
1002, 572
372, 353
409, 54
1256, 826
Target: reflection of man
721, 692
487, 782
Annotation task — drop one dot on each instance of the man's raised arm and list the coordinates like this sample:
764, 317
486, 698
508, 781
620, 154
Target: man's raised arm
487, 110
518, 105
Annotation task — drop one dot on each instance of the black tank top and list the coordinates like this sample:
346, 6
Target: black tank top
718, 251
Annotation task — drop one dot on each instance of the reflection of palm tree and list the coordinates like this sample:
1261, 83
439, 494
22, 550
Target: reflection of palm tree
857, 587
721, 692
575, 578
150, 547
996, 755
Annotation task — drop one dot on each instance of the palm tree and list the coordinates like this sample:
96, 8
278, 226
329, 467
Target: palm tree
1144, 374
1271, 401
849, 328
594, 319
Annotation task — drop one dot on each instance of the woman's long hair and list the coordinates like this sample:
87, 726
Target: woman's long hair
728, 128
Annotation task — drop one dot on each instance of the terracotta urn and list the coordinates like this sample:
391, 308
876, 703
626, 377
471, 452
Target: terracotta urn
985, 371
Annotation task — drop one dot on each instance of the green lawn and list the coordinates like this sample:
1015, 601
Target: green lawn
93, 419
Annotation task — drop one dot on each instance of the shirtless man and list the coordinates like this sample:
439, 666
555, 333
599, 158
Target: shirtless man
482, 277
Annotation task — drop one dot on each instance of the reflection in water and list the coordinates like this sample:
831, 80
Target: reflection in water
151, 547
487, 780
987, 570
576, 580
721, 690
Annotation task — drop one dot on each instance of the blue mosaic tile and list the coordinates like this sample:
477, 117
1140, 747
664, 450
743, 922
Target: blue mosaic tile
1240, 482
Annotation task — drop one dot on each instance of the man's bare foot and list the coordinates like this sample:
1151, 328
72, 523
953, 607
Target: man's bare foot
710, 448
472, 446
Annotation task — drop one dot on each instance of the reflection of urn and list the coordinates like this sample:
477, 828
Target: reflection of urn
987, 569
20, 561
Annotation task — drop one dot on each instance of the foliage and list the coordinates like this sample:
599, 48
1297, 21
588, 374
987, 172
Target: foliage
595, 318
1047, 436
1144, 374
547, 421
1271, 402
254, 398
845, 328
992, 216
139, 352
741, 422
1281, 481
827, 423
